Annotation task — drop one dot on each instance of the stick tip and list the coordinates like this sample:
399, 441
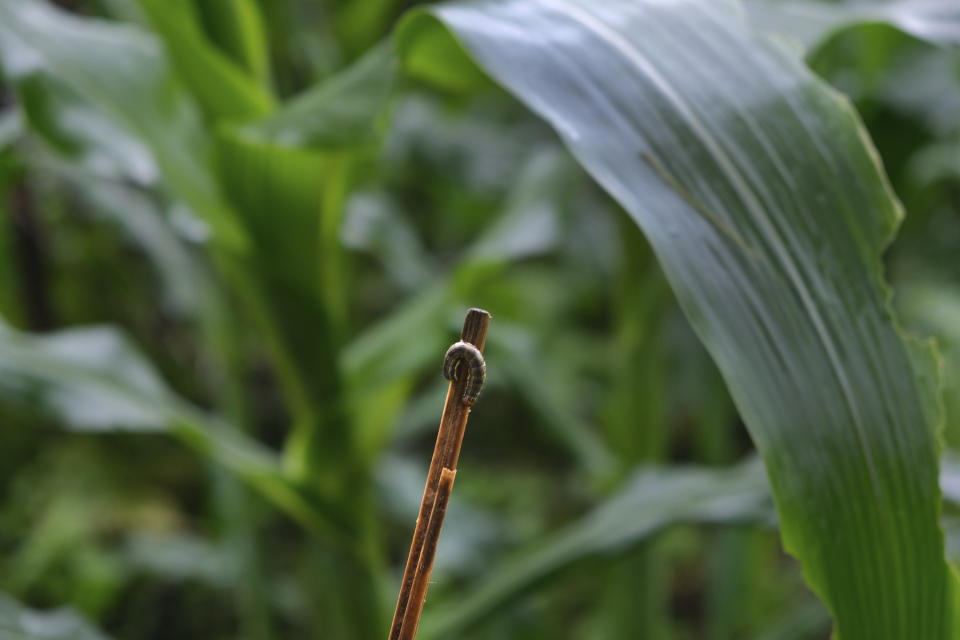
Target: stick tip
475, 327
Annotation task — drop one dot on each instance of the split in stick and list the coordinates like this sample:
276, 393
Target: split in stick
446, 452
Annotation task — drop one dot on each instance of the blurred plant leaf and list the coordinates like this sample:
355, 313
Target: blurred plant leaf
813, 21
343, 111
531, 221
950, 477
291, 201
926, 84
278, 193
461, 549
224, 89
534, 204
181, 556
380, 364
94, 380
11, 127
97, 382
374, 224
652, 500
520, 364
18, 622
237, 28
935, 307
359, 24
123, 72
806, 621
79, 132
183, 282
289, 166
704, 134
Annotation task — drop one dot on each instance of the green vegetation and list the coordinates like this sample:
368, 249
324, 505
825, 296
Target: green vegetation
239, 236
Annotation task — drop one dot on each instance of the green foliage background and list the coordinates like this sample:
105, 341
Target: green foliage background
238, 237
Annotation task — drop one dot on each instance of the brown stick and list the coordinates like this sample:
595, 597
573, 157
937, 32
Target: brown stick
418, 593
446, 452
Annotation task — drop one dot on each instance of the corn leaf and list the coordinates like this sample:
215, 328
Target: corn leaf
764, 201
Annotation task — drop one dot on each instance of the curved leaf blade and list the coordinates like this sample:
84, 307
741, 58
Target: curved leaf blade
766, 206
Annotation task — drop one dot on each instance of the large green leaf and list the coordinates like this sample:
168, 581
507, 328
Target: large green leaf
766, 206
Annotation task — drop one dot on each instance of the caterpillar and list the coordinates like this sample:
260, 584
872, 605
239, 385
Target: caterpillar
458, 353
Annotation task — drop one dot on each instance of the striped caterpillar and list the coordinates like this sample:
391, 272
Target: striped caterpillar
461, 352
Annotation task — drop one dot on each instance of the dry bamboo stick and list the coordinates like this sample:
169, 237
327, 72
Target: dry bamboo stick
418, 592
446, 452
